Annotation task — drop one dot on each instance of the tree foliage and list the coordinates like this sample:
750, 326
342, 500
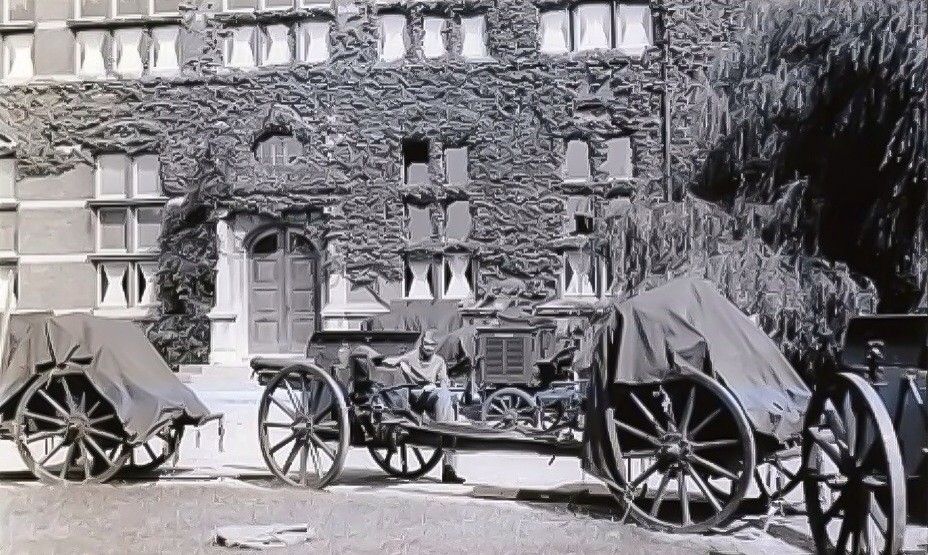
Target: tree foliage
819, 110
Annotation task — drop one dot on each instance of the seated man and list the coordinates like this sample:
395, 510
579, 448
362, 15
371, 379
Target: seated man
424, 367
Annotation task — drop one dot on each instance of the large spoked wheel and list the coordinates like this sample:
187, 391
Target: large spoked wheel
509, 408
406, 461
67, 432
852, 471
303, 426
152, 454
553, 416
685, 452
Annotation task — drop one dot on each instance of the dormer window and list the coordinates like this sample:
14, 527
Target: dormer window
278, 150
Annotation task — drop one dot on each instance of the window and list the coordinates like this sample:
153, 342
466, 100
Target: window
433, 37
415, 162
128, 52
131, 7
580, 216
17, 56
164, 7
627, 27
618, 163
251, 5
579, 274
456, 166
634, 29
239, 5
103, 9
417, 280
554, 32
128, 226
313, 41
474, 42
125, 49
458, 221
90, 56
392, 37
93, 9
577, 164
275, 45
7, 177
8, 231
458, 275
241, 48
9, 285
17, 11
279, 150
418, 223
163, 54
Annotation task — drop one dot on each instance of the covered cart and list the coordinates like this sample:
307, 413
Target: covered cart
84, 397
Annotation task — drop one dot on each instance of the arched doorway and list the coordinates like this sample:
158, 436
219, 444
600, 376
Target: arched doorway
283, 291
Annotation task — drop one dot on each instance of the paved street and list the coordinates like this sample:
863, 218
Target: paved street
365, 512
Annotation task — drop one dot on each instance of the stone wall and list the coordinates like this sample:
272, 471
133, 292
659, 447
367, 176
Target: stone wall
514, 113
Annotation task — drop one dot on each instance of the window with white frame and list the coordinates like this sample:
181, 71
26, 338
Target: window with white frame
9, 285
104, 9
17, 56
473, 37
17, 11
456, 166
7, 177
619, 163
458, 220
458, 273
579, 274
313, 41
415, 162
252, 5
554, 32
128, 215
433, 37
418, 223
122, 52
625, 26
577, 162
392, 44
241, 47
279, 150
94, 9
418, 281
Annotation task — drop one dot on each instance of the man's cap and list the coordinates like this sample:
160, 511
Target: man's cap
430, 337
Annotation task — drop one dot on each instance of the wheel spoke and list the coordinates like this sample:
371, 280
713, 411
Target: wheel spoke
635, 431
701, 484
103, 434
643, 476
704, 423
95, 421
68, 399
150, 451
321, 444
304, 457
44, 435
277, 402
687, 411
51, 454
93, 409
54, 404
297, 406
317, 461
659, 498
283, 442
37, 416
834, 453
277, 425
291, 457
419, 456
644, 410
404, 458
85, 453
67, 461
714, 467
99, 451
700, 445
499, 405
878, 516
843, 534
684, 498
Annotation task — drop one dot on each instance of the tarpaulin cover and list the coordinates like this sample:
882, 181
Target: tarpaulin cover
115, 356
688, 326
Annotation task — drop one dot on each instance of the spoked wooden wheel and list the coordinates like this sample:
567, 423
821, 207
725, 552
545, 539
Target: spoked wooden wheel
406, 461
852, 471
685, 452
303, 426
150, 455
509, 408
66, 431
552, 415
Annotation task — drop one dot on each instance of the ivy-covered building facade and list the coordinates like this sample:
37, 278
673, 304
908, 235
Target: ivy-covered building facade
235, 174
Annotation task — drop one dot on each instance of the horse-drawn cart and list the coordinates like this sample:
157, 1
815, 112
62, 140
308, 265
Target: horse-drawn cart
85, 398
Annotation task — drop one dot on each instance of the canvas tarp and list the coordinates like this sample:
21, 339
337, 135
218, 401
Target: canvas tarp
115, 356
687, 325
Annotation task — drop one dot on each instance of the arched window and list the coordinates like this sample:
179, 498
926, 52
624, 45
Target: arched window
278, 150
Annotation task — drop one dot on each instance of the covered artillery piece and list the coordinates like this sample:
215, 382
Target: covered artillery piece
85, 398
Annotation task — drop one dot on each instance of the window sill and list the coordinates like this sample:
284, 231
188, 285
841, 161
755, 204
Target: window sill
123, 21
121, 202
123, 257
349, 309
250, 16
17, 27
134, 313
7, 204
7, 257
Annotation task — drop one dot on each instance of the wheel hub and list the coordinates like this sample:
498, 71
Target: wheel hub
302, 426
674, 449
76, 427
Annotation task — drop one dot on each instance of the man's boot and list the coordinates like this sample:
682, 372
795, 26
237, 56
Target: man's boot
450, 476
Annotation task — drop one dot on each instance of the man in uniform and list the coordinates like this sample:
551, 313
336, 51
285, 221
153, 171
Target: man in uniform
425, 367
